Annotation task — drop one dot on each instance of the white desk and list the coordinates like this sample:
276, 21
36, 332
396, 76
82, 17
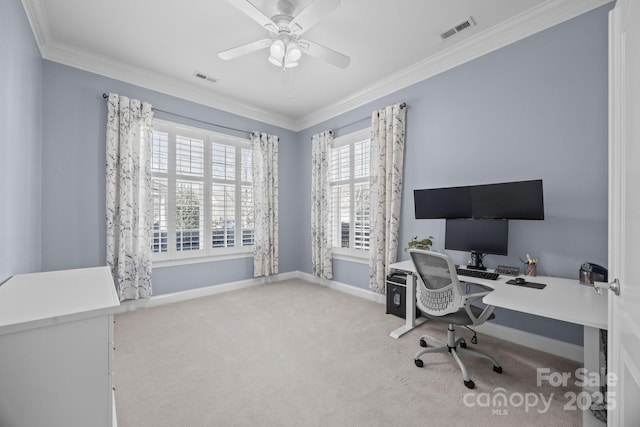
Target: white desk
561, 299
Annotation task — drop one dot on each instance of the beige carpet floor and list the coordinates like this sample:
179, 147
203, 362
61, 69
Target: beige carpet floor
300, 354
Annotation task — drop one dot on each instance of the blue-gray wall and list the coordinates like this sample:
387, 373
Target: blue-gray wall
534, 109
73, 177
20, 142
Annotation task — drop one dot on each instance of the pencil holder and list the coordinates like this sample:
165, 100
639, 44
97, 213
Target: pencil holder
529, 269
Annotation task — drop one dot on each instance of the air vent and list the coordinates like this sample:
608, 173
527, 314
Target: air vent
448, 33
203, 76
467, 23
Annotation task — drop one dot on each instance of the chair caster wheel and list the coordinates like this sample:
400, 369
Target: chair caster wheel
469, 384
497, 369
463, 344
419, 363
423, 343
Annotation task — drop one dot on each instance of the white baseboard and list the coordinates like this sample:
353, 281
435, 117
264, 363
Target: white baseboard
342, 287
157, 300
526, 339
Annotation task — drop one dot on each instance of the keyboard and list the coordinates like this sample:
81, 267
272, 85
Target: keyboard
481, 274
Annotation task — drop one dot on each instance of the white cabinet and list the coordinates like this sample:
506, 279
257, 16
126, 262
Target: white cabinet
56, 348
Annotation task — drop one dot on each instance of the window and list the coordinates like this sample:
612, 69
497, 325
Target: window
202, 193
349, 174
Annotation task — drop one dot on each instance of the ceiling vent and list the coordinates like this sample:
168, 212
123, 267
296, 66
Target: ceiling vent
467, 23
203, 76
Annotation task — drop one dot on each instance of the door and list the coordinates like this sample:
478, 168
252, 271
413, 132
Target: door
624, 214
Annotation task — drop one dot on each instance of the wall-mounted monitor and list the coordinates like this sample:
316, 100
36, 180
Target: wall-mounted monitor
451, 202
510, 200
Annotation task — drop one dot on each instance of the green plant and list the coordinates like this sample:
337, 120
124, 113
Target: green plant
419, 244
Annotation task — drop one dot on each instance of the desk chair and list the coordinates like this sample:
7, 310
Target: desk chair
439, 298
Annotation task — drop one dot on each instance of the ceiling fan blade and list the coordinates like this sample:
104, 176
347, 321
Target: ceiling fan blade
244, 49
324, 53
312, 14
254, 13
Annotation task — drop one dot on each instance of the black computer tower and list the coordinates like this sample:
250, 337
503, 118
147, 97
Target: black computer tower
396, 295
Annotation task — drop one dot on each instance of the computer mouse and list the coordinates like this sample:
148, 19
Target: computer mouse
520, 281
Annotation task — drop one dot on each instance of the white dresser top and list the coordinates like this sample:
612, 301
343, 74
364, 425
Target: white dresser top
39, 299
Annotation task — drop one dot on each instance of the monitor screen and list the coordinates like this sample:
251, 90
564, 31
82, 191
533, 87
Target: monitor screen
485, 236
510, 200
451, 202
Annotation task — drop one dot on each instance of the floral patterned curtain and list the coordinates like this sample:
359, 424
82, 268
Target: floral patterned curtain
387, 158
264, 149
321, 205
129, 197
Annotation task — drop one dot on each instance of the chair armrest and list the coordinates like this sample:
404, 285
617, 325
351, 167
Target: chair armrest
488, 310
476, 296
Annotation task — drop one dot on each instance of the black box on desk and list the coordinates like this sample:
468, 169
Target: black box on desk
397, 295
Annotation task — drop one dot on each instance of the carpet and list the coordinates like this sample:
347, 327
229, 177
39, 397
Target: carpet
294, 353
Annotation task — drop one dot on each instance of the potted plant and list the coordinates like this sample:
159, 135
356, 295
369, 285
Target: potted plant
424, 244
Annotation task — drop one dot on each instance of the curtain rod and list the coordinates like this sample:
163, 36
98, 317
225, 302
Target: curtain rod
106, 96
402, 105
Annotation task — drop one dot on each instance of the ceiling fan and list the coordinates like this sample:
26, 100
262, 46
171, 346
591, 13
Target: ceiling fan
285, 31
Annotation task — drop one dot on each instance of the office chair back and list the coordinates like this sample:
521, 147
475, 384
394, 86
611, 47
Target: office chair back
437, 290
438, 296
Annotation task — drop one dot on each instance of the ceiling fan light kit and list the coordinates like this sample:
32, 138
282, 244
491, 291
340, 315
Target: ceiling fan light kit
277, 49
284, 52
293, 51
285, 31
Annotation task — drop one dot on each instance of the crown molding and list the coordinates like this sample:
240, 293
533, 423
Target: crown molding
107, 67
546, 15
38, 22
535, 20
110, 68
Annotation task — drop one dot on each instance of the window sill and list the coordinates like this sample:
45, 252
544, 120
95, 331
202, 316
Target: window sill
361, 257
160, 263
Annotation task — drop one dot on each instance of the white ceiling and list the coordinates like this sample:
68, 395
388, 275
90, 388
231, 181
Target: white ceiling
392, 44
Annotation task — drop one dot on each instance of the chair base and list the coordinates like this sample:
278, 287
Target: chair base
454, 346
